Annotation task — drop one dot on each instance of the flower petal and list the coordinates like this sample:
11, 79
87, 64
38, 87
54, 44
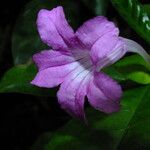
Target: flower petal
51, 58
53, 76
108, 86
110, 57
54, 29
102, 48
72, 92
132, 46
99, 100
93, 29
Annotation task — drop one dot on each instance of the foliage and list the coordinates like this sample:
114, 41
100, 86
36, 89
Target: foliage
136, 16
127, 129
18, 79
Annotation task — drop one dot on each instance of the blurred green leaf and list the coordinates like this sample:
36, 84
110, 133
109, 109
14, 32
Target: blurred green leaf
18, 78
140, 77
98, 7
133, 60
26, 40
42, 141
127, 129
135, 15
101, 7
147, 8
130, 68
115, 73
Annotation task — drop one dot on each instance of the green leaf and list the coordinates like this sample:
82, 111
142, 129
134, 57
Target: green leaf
134, 68
133, 60
98, 7
101, 7
147, 8
140, 77
18, 79
42, 141
115, 73
127, 129
26, 40
130, 68
135, 15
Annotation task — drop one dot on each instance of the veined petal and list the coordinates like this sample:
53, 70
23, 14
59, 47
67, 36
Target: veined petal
51, 58
93, 29
48, 31
103, 46
98, 99
112, 56
132, 46
54, 29
73, 90
108, 86
53, 76
64, 29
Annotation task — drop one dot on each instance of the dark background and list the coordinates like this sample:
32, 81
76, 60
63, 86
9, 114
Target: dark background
23, 117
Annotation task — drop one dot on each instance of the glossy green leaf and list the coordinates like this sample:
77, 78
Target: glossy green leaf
127, 129
26, 40
135, 15
18, 78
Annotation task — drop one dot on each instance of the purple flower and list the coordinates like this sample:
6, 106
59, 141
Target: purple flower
76, 59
